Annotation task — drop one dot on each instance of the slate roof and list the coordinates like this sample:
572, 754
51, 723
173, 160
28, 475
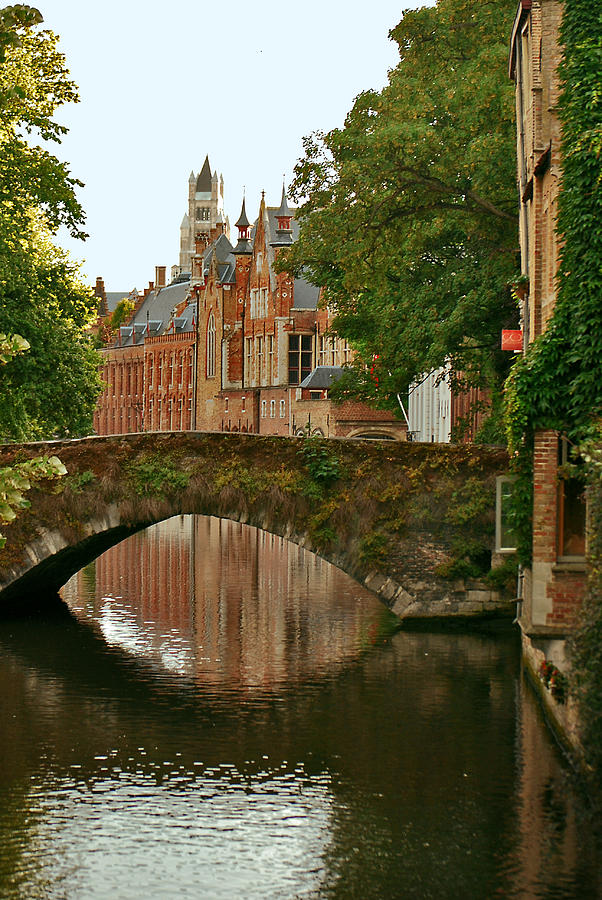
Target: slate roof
226, 261
322, 377
113, 298
156, 311
203, 182
305, 295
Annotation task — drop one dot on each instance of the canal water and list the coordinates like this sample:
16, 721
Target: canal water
216, 713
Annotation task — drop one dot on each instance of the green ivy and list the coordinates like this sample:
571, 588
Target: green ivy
585, 645
557, 384
155, 474
320, 460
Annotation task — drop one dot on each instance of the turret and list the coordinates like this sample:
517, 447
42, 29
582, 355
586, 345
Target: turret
243, 225
284, 232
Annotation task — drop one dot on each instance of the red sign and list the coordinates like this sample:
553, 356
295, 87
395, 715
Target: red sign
512, 340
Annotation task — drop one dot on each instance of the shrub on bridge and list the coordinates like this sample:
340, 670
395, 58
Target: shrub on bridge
320, 460
157, 474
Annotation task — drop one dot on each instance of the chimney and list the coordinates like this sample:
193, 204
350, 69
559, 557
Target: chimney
160, 276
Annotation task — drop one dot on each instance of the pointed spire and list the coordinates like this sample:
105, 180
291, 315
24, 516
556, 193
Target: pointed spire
203, 182
284, 211
243, 226
243, 222
191, 177
284, 232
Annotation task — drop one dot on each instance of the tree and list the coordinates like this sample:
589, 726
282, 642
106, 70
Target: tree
122, 313
16, 480
408, 213
51, 391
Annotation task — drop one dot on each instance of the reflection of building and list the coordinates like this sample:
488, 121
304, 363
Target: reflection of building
554, 585
226, 603
229, 344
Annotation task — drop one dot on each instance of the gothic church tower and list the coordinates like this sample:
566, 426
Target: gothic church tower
205, 211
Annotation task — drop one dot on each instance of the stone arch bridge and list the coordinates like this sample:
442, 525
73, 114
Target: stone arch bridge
412, 522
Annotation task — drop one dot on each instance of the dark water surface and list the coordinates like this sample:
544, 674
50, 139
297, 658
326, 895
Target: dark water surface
220, 714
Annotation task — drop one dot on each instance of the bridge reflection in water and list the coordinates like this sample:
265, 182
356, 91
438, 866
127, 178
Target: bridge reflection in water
227, 604
225, 715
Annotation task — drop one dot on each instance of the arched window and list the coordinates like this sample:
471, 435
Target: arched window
211, 346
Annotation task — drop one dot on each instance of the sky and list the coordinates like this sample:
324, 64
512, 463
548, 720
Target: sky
163, 84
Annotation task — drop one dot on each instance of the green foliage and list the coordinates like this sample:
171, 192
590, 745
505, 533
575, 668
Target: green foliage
470, 559
10, 345
558, 383
585, 644
80, 480
16, 480
121, 313
53, 389
408, 219
374, 549
155, 474
320, 460
468, 501
504, 578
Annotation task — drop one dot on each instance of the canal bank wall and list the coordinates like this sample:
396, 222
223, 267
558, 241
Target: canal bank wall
559, 708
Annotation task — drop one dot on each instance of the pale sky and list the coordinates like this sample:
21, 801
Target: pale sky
164, 83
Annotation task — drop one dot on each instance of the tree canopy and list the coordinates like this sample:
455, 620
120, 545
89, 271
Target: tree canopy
408, 213
51, 390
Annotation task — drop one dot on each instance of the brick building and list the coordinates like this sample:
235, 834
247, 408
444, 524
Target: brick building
554, 586
230, 345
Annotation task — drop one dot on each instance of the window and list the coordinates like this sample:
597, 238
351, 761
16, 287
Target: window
202, 214
226, 404
243, 404
322, 350
254, 303
270, 373
299, 357
272, 409
170, 369
211, 346
189, 423
345, 353
181, 375
264, 301
259, 360
263, 408
249, 360
505, 541
160, 371
180, 414
282, 409
571, 510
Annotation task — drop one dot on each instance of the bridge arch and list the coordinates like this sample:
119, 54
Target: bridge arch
391, 519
